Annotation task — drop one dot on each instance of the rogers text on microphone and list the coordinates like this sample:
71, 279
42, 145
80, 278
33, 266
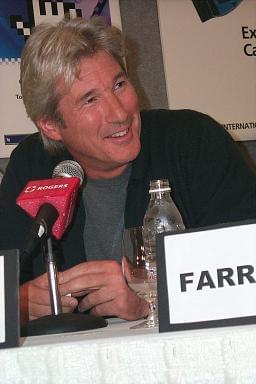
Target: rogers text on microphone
33, 188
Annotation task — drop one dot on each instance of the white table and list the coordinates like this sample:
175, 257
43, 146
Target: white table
117, 354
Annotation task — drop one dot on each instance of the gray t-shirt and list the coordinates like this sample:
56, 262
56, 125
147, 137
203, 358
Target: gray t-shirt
104, 203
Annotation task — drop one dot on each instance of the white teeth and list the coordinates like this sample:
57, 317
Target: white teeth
120, 134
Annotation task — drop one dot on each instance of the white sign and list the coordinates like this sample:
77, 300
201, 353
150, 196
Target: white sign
2, 301
9, 299
211, 274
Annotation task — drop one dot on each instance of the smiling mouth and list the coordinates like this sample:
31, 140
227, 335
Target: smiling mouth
119, 134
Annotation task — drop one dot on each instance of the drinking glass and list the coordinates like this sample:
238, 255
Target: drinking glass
139, 276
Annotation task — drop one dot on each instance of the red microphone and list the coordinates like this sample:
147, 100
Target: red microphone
51, 202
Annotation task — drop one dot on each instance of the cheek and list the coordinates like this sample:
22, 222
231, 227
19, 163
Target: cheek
131, 100
82, 124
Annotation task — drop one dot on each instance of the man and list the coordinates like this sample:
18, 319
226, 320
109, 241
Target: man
75, 89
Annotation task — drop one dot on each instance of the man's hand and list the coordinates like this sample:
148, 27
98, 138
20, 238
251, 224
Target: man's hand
104, 288
35, 300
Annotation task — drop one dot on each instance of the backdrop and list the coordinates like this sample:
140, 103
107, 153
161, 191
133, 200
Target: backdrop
209, 52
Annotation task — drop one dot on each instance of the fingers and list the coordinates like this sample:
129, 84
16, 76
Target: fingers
102, 284
35, 300
140, 310
105, 289
124, 303
84, 293
90, 275
89, 268
68, 304
96, 298
38, 310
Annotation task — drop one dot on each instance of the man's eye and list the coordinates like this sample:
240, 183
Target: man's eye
90, 100
120, 84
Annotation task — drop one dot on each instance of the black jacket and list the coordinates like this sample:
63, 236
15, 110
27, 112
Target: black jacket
210, 182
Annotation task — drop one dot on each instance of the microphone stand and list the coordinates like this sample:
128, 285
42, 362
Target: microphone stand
58, 322
52, 273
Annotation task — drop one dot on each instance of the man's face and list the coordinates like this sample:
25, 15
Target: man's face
101, 115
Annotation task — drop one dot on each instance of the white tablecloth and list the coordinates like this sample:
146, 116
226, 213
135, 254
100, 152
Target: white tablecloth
117, 354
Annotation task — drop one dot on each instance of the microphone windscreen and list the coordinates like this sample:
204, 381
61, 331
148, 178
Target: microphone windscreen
69, 168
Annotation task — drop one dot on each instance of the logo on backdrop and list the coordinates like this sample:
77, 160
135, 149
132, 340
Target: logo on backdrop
208, 9
18, 17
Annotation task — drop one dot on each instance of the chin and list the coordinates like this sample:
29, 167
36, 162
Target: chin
133, 153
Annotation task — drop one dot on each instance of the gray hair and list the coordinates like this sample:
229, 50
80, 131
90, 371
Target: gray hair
55, 51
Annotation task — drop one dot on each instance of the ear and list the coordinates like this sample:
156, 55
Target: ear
50, 129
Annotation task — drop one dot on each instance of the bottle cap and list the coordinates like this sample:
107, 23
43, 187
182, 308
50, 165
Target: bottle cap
159, 186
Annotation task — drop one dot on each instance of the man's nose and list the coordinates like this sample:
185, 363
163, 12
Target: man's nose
115, 109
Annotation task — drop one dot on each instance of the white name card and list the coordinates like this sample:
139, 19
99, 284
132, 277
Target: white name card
2, 301
9, 299
207, 277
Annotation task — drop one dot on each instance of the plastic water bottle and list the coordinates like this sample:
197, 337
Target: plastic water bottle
162, 215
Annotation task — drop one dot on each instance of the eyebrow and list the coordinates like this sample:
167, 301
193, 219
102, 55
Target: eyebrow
91, 92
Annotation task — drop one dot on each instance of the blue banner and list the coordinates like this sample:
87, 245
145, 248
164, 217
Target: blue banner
18, 17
